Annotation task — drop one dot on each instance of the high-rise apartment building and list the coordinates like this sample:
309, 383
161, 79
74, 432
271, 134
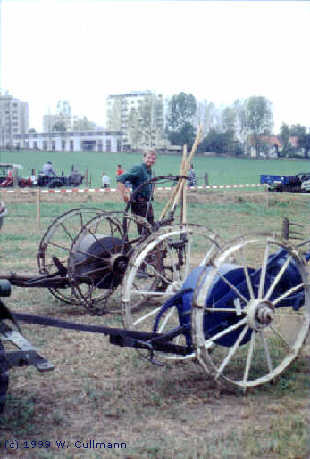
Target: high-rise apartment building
14, 119
139, 115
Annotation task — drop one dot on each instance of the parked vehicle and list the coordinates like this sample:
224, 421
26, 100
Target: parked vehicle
9, 174
299, 183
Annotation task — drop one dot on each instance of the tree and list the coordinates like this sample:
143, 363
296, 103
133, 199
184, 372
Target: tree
83, 124
285, 138
229, 119
134, 132
145, 124
220, 142
185, 135
304, 142
59, 126
114, 115
150, 115
259, 119
181, 108
300, 132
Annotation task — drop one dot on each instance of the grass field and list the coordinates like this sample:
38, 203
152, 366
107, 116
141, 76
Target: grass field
221, 171
105, 393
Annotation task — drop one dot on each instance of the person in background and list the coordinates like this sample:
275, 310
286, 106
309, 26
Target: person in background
119, 170
48, 169
33, 177
106, 183
137, 175
192, 177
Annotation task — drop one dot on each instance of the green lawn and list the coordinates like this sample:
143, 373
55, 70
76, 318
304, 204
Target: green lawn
221, 171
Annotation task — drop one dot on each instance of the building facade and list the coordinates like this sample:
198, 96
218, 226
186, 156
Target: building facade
99, 140
14, 119
139, 115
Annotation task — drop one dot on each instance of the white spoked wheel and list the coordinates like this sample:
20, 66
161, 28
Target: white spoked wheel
251, 318
55, 246
98, 259
156, 271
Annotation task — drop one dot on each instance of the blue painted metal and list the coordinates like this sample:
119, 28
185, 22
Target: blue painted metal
221, 295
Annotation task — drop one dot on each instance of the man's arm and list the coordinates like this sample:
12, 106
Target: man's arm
124, 191
131, 177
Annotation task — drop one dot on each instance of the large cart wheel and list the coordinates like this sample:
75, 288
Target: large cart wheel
157, 270
251, 318
55, 246
99, 257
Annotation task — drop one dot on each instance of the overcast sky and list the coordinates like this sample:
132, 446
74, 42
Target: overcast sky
83, 50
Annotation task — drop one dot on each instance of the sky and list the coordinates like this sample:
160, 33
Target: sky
83, 50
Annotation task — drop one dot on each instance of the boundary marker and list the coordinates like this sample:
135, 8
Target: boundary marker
112, 190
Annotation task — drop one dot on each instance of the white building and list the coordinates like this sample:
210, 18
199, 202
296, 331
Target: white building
125, 111
14, 119
98, 140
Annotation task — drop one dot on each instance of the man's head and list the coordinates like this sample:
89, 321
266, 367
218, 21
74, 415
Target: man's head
149, 158
119, 166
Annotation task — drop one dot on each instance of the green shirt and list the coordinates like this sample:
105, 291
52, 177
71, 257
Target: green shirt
136, 176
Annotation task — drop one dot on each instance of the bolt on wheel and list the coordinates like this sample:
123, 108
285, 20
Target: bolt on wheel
157, 271
253, 314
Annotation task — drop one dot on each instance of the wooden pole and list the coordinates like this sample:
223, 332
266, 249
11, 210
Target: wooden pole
185, 165
38, 208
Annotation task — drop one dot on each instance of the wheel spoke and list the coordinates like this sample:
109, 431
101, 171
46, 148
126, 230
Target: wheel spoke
288, 293
232, 287
149, 314
169, 314
277, 278
66, 231
59, 246
246, 272
220, 309
263, 272
231, 352
158, 274
224, 332
249, 358
276, 332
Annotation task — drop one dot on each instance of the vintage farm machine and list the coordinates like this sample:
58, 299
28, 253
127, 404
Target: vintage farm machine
84, 254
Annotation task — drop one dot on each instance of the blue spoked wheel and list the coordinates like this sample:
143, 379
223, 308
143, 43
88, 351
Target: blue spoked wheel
252, 310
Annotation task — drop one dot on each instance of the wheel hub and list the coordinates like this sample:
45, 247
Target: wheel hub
260, 313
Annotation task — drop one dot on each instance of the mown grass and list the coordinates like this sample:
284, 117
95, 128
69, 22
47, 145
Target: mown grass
103, 392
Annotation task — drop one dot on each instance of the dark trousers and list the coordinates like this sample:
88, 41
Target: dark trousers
143, 208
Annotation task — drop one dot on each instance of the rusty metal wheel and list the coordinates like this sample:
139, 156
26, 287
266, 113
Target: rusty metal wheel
255, 313
98, 259
157, 271
55, 245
